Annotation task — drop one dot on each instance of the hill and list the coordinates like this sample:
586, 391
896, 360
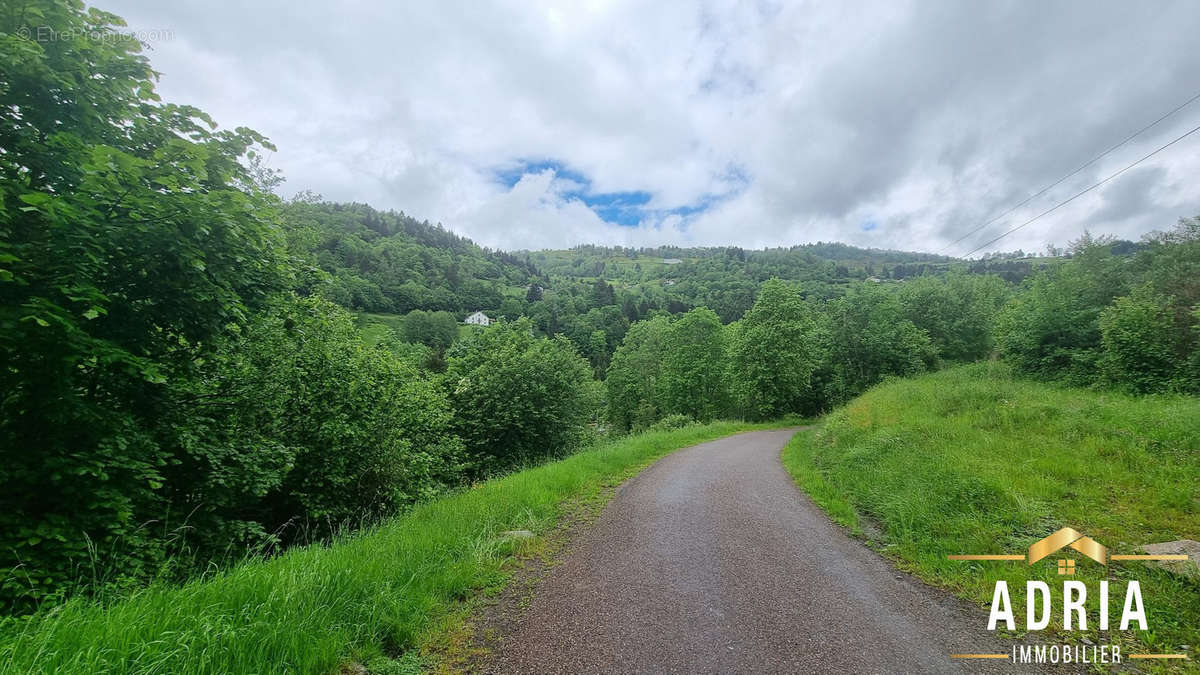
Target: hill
389, 262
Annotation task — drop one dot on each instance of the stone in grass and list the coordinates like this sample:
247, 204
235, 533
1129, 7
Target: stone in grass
1188, 547
517, 534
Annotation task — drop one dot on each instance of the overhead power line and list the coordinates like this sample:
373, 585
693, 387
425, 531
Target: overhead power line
1083, 192
1081, 167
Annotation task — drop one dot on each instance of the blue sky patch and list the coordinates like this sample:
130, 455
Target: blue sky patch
627, 209
869, 225
512, 176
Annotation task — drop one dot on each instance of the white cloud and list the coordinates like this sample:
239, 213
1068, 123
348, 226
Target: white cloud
802, 120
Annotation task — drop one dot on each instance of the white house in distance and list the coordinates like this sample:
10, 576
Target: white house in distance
478, 319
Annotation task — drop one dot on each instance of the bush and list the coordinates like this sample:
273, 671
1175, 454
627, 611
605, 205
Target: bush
132, 236
288, 420
517, 398
957, 312
1101, 318
672, 421
1052, 328
432, 329
365, 433
1140, 353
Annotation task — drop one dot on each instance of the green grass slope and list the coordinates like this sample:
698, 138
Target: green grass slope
315, 609
972, 460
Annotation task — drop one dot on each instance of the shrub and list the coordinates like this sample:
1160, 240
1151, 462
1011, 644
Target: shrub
1052, 328
1139, 348
132, 236
672, 421
366, 432
517, 398
432, 329
957, 312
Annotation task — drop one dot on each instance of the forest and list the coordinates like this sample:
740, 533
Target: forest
191, 369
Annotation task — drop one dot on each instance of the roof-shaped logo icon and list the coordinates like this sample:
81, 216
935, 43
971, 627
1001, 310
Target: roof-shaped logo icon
1068, 538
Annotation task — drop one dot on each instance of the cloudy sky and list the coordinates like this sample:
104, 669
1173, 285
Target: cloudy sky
530, 124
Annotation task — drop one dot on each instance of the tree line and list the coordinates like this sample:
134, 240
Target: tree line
790, 354
1107, 315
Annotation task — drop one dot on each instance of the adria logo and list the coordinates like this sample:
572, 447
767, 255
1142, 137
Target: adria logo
1040, 602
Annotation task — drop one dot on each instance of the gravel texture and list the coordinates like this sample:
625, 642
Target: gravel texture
713, 561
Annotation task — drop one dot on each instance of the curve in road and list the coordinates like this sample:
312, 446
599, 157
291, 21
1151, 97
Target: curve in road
713, 561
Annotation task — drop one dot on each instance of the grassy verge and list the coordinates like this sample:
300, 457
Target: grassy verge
313, 610
972, 460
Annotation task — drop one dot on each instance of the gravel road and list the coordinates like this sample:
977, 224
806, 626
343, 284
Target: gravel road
712, 561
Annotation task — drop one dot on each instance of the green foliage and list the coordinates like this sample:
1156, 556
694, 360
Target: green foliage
632, 378
437, 330
132, 237
162, 392
870, 339
1100, 317
389, 262
1170, 262
316, 609
517, 398
295, 418
692, 382
1052, 328
1139, 343
956, 311
773, 352
672, 421
971, 459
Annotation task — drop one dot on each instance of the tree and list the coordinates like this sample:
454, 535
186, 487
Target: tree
534, 294
956, 311
517, 398
133, 238
629, 309
293, 419
632, 377
773, 352
436, 330
603, 294
869, 339
693, 373
1052, 328
597, 351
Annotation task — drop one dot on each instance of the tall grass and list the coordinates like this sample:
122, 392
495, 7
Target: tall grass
315, 609
972, 460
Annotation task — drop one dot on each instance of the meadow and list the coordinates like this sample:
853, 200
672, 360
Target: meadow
973, 460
